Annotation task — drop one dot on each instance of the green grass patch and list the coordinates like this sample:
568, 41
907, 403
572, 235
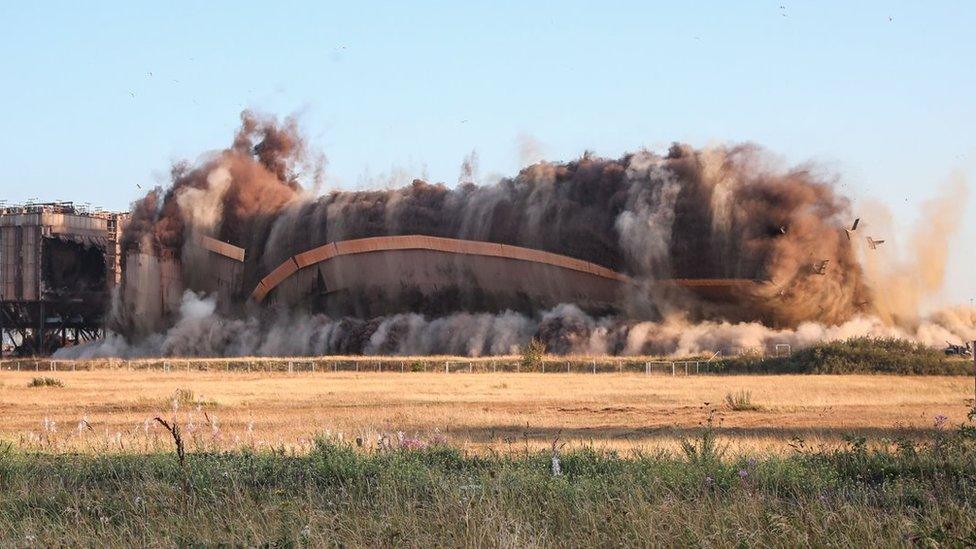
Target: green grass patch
861, 493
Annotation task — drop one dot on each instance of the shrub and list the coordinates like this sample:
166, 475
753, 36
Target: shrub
45, 382
186, 397
532, 354
704, 449
417, 366
860, 355
740, 401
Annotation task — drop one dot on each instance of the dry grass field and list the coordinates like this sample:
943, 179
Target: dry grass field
112, 410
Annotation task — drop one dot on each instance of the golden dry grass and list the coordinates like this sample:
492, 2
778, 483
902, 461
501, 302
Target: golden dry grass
498, 411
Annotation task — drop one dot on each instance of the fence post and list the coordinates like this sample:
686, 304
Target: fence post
446, 371
647, 368
672, 369
543, 366
594, 366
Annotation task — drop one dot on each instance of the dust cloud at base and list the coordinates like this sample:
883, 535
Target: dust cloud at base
565, 330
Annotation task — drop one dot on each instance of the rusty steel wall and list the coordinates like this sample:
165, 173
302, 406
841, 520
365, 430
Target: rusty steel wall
152, 291
373, 276
431, 281
20, 254
381, 275
430, 243
218, 268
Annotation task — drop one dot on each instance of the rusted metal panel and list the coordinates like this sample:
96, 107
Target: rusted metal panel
219, 247
316, 255
280, 273
260, 291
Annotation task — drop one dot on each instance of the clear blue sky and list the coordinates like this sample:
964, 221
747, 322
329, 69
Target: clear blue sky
888, 104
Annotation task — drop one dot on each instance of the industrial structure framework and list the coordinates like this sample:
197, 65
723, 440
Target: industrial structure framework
59, 263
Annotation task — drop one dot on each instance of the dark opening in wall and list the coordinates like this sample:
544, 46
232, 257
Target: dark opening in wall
73, 270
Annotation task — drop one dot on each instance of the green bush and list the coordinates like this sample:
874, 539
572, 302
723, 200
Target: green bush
532, 355
861, 355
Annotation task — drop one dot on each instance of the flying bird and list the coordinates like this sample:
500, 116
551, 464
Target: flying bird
821, 267
853, 228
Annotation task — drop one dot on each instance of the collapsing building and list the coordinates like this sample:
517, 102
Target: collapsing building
59, 264
155, 280
235, 257
687, 251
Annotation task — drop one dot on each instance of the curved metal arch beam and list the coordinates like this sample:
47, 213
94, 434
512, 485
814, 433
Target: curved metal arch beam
420, 242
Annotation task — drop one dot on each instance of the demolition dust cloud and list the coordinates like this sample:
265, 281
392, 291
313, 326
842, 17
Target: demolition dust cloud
725, 212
